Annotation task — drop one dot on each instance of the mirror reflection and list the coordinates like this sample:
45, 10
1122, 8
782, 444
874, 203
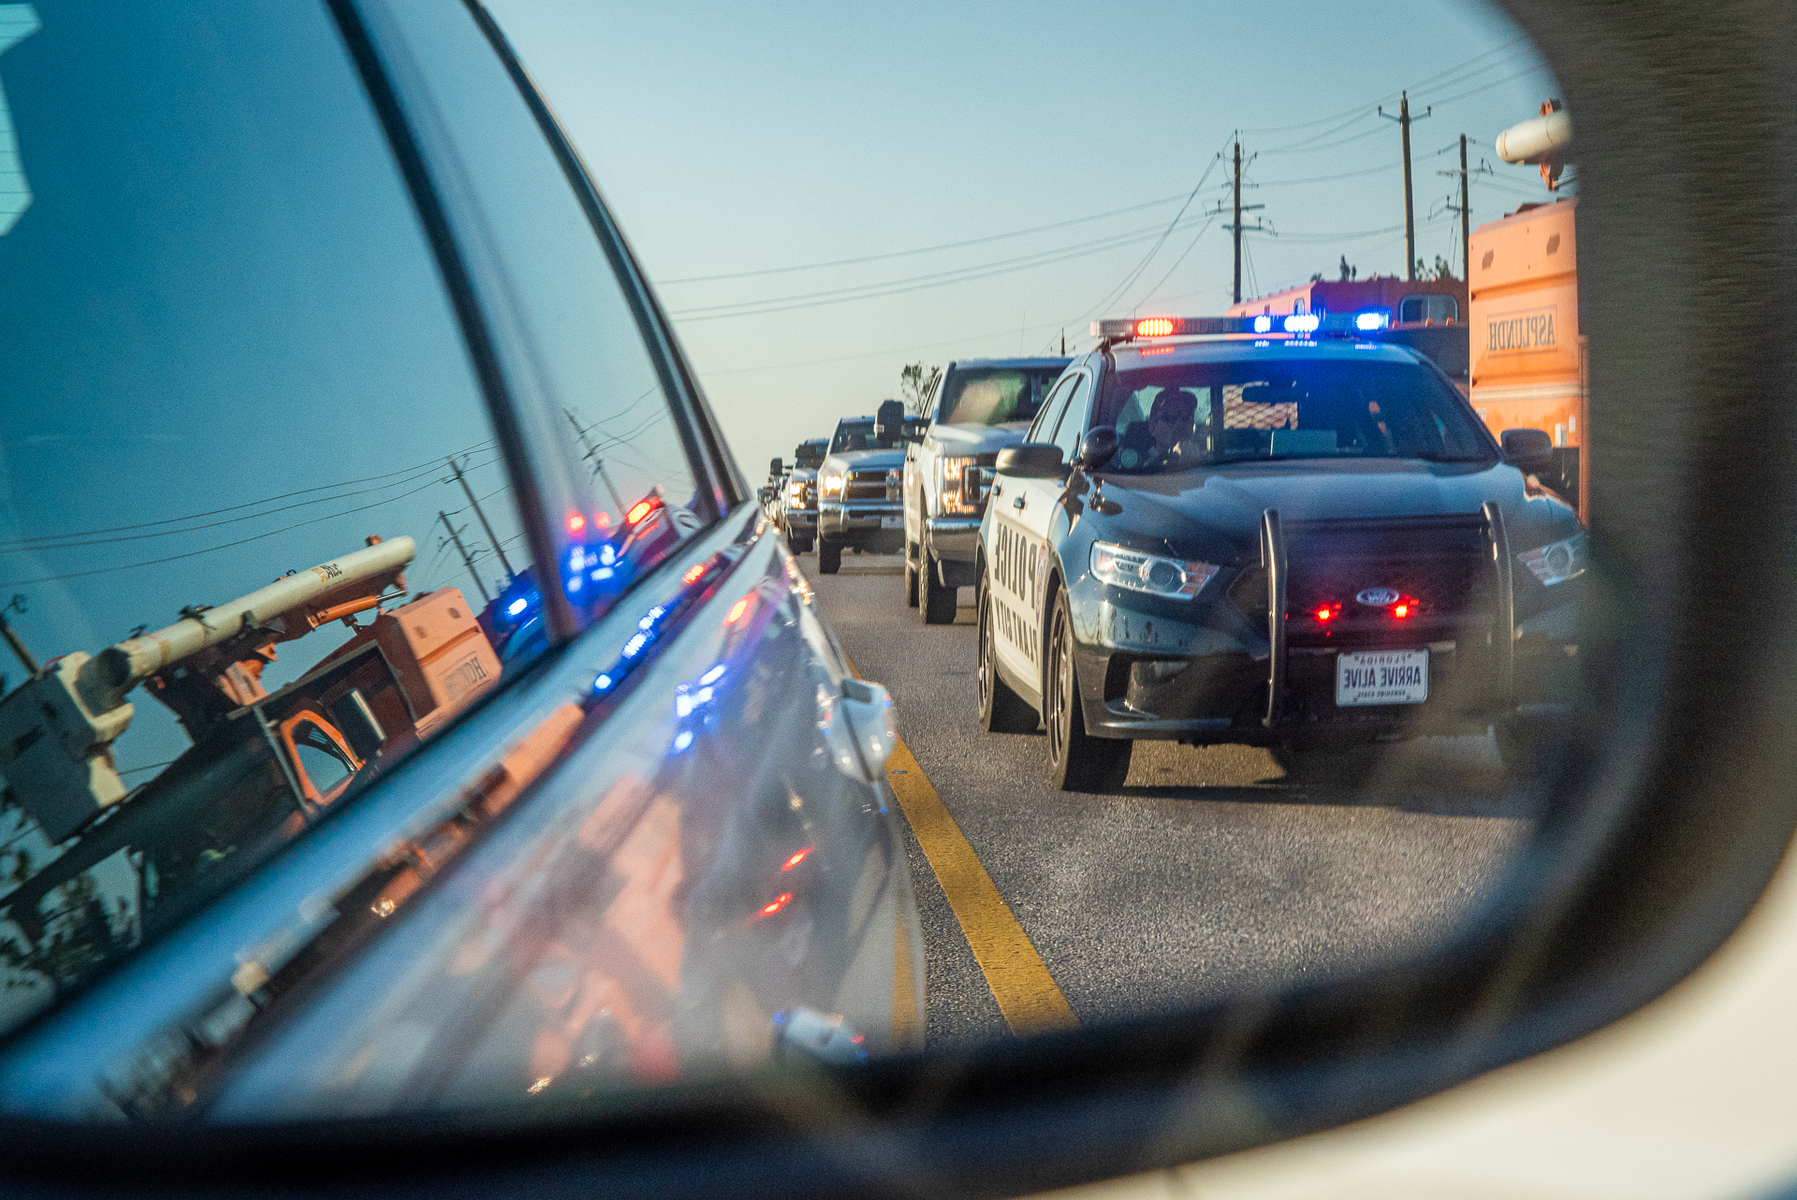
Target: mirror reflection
393, 722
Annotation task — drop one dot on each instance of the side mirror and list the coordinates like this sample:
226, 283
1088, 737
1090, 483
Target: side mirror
1031, 460
1529, 450
776, 466
889, 421
1097, 449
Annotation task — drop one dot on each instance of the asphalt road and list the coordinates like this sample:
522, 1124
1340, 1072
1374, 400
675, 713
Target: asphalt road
1209, 873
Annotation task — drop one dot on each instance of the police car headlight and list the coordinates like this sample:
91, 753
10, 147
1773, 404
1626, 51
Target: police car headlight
832, 484
1556, 562
1151, 573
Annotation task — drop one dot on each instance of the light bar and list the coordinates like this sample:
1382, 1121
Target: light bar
1298, 324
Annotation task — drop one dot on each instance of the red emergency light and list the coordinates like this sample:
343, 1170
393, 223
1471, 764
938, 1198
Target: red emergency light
1155, 327
638, 511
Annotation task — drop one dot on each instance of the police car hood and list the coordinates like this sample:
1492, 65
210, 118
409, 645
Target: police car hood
968, 440
1230, 500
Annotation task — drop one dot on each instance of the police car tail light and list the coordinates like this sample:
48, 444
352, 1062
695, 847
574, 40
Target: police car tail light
1154, 574
1155, 327
1406, 608
1556, 562
1327, 613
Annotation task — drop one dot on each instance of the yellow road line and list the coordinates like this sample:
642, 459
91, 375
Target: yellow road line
907, 1023
1026, 993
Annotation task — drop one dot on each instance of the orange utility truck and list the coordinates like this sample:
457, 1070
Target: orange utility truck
1527, 354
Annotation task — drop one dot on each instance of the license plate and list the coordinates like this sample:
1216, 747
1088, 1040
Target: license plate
892, 522
1382, 677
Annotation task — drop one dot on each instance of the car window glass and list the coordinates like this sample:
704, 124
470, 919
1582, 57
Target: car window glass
1181, 415
593, 383
235, 408
1052, 410
1073, 424
995, 395
325, 763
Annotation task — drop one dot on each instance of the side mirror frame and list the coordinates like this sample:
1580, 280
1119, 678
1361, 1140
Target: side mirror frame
776, 466
1530, 450
889, 421
1031, 460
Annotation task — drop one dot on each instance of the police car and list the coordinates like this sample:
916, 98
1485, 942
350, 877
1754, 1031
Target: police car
1280, 531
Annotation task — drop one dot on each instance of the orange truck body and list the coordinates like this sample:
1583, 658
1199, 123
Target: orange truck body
1527, 354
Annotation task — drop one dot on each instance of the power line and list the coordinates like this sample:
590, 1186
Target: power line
981, 271
922, 285
979, 241
35, 542
1182, 257
223, 546
1389, 96
45, 545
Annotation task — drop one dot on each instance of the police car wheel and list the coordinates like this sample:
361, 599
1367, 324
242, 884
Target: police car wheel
829, 556
1078, 761
1001, 709
936, 599
910, 575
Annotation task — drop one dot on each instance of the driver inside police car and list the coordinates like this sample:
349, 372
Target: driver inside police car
1170, 422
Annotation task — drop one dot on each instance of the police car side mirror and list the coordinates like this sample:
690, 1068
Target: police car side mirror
1097, 449
1031, 460
1529, 450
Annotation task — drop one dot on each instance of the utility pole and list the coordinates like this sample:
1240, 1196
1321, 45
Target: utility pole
492, 539
592, 453
456, 537
1403, 119
1235, 225
1466, 221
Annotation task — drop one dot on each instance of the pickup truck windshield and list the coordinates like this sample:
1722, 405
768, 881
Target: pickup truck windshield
1185, 415
992, 396
859, 435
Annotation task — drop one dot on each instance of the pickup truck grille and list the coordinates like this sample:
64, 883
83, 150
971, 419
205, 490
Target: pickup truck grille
866, 484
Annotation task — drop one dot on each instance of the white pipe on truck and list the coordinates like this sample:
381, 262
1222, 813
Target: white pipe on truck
1536, 139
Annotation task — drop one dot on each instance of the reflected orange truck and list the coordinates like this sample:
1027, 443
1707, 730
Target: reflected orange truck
1527, 354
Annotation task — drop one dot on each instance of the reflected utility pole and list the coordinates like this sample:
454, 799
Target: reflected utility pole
24, 655
492, 538
592, 453
455, 535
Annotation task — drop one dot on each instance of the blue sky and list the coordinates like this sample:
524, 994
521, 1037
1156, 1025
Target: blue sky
742, 138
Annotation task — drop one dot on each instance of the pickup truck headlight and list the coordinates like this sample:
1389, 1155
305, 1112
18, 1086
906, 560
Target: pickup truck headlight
1152, 573
795, 494
1556, 562
951, 475
832, 485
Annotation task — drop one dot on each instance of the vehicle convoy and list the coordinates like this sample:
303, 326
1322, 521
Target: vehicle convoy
974, 409
1299, 541
855, 508
798, 495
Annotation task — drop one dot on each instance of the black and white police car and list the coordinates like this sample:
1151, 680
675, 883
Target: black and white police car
1302, 540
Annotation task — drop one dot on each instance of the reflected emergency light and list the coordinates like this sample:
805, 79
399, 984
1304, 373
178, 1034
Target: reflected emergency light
1370, 320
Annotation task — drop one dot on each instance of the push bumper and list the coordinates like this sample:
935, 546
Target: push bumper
1150, 668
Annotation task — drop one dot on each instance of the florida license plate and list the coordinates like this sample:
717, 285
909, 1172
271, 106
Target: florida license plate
892, 522
1382, 677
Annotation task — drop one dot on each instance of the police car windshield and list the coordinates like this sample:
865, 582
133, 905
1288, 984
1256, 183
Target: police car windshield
994, 395
1184, 415
859, 435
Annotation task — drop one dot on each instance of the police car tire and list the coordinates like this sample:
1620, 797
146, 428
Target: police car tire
936, 600
910, 575
829, 556
1078, 761
1001, 709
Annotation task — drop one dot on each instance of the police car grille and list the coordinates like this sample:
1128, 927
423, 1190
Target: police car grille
1443, 563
